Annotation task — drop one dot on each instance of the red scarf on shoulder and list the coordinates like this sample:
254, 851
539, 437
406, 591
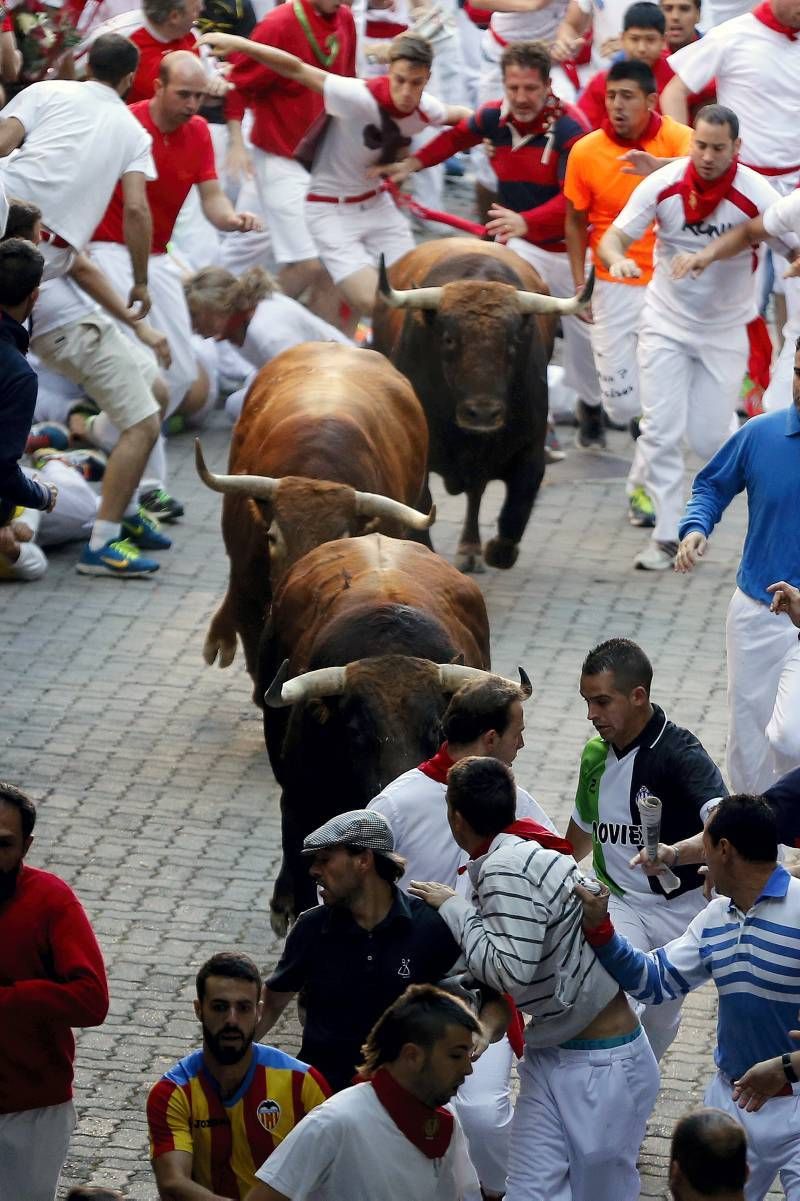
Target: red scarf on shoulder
701, 196
430, 1130
649, 132
763, 13
438, 767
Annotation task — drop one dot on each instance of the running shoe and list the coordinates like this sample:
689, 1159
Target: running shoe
47, 434
552, 447
641, 511
90, 463
119, 558
657, 556
144, 532
160, 505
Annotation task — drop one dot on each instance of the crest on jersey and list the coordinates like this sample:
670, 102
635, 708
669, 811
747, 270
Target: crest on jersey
404, 970
269, 1114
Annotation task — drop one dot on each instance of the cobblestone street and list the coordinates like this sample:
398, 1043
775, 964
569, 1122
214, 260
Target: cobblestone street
158, 804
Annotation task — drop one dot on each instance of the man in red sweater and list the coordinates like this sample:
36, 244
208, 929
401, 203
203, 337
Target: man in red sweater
321, 33
52, 978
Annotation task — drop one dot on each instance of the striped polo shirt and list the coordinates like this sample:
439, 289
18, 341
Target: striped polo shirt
230, 1138
753, 959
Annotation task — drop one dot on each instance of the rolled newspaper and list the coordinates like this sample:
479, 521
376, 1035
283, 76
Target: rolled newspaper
650, 817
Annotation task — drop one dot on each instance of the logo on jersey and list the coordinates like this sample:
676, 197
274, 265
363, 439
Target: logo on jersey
617, 833
269, 1114
404, 970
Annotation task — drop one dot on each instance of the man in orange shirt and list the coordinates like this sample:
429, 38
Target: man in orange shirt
598, 185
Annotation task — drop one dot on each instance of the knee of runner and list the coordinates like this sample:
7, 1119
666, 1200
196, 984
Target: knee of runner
148, 429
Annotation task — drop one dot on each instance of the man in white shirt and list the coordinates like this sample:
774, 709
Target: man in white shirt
483, 718
693, 331
391, 1136
350, 218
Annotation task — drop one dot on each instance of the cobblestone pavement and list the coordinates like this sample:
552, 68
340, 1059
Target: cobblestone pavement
157, 802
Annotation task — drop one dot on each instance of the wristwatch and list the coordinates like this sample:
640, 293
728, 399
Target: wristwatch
788, 1070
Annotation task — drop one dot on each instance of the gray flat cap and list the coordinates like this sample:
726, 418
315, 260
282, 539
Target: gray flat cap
359, 828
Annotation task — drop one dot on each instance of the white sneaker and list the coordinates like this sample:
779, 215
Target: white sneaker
657, 556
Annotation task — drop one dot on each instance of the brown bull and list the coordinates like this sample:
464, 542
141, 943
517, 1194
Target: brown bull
471, 325
367, 640
331, 442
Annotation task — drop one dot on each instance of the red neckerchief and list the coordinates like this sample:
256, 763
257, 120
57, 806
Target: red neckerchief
430, 1130
701, 196
763, 13
542, 123
237, 323
438, 767
382, 93
652, 128
531, 831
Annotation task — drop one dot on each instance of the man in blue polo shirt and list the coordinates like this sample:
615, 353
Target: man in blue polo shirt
746, 941
352, 956
762, 459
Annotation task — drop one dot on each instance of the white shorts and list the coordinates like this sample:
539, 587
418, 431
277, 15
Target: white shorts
114, 372
33, 1147
169, 312
579, 1122
352, 236
282, 185
773, 1139
580, 373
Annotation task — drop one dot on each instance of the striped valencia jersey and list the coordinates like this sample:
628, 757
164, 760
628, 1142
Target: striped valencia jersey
229, 1140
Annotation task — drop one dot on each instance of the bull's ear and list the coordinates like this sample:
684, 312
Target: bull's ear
318, 711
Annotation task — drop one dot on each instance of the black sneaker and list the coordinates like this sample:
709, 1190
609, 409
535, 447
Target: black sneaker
158, 503
591, 434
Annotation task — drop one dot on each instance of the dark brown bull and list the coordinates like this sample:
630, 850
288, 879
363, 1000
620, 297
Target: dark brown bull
358, 660
471, 325
331, 442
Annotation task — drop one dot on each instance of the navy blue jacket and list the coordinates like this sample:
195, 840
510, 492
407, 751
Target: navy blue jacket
18, 390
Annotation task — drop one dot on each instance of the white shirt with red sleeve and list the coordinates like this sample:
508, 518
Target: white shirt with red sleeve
724, 295
352, 141
757, 71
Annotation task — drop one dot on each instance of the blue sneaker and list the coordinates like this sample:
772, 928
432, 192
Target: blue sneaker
47, 434
119, 558
145, 532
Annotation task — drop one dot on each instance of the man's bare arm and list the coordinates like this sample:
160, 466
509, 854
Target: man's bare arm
272, 1006
612, 250
281, 62
12, 132
581, 841
173, 1173
137, 229
569, 34
577, 238
674, 100
264, 1192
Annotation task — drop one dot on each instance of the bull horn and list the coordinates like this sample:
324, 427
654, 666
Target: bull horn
534, 302
371, 504
260, 487
327, 681
453, 675
411, 298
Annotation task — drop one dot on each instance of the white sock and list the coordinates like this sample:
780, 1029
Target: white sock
103, 532
132, 507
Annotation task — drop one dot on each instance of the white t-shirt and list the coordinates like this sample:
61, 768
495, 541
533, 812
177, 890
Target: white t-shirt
60, 302
80, 139
349, 1149
758, 76
343, 158
279, 323
540, 26
724, 295
415, 807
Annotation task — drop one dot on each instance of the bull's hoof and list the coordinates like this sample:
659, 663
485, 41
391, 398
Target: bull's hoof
224, 648
281, 916
469, 559
501, 552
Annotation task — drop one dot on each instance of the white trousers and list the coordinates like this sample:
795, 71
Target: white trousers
33, 1147
689, 384
580, 373
169, 313
579, 1122
617, 310
763, 694
649, 922
773, 1139
485, 1110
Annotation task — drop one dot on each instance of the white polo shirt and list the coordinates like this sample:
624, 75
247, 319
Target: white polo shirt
415, 807
80, 139
758, 76
724, 295
344, 156
349, 1149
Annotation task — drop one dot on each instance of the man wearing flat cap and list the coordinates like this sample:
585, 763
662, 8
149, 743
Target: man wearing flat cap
356, 953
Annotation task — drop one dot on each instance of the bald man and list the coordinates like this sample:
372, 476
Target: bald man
708, 1157
184, 158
